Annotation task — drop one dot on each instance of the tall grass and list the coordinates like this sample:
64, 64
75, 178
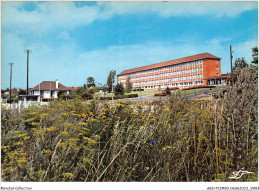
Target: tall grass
170, 140
173, 140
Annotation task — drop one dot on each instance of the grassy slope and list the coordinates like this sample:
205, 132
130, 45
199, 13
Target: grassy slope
186, 92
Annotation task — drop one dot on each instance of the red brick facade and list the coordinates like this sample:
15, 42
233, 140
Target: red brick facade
181, 72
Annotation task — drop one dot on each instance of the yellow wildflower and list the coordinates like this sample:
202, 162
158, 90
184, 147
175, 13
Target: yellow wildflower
97, 136
47, 152
22, 160
60, 144
82, 123
50, 128
64, 133
86, 129
91, 141
119, 105
19, 143
68, 175
87, 160
164, 148
91, 114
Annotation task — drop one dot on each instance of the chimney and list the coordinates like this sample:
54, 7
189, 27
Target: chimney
57, 83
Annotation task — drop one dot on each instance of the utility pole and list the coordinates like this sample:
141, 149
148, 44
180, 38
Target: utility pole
28, 52
11, 68
232, 82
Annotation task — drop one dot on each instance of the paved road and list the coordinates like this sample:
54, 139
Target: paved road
158, 98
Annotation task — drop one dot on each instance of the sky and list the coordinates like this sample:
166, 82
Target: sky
71, 41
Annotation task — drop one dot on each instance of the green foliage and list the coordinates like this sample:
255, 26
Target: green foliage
128, 86
21, 92
241, 104
255, 55
168, 91
111, 79
90, 82
240, 63
138, 89
131, 95
119, 89
105, 88
86, 93
238, 66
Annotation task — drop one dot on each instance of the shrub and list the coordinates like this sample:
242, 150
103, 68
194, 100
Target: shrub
168, 91
119, 89
160, 94
131, 95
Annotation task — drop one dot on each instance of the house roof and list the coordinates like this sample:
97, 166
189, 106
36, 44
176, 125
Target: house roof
50, 85
171, 62
73, 88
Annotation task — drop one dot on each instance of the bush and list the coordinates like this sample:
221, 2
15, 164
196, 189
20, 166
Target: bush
120, 97
160, 94
168, 91
138, 89
131, 95
119, 89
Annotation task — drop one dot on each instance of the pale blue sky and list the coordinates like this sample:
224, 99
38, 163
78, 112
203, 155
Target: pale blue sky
73, 40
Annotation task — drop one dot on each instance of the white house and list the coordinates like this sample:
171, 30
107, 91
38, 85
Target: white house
49, 89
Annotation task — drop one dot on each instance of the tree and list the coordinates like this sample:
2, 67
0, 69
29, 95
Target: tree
238, 66
241, 105
119, 89
255, 55
86, 93
168, 91
128, 85
80, 90
111, 79
90, 82
21, 92
105, 88
241, 63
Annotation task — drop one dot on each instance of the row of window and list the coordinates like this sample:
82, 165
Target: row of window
196, 76
168, 80
169, 85
166, 74
172, 67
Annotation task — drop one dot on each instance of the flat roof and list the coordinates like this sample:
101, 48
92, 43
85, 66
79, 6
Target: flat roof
171, 62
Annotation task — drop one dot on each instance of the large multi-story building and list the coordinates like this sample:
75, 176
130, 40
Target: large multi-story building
200, 69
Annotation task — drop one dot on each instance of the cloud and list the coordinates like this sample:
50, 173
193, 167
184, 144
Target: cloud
47, 15
244, 49
167, 9
52, 15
